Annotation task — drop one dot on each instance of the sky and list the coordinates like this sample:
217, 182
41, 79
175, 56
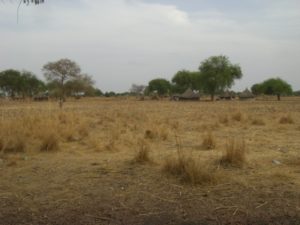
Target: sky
125, 42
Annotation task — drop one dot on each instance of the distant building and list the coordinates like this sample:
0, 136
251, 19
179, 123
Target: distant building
246, 95
188, 95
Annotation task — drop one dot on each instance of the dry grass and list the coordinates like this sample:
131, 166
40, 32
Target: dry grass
258, 122
287, 119
224, 119
49, 142
189, 170
209, 142
97, 138
238, 116
235, 154
142, 155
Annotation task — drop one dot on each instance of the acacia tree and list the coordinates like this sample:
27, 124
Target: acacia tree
218, 73
61, 71
273, 86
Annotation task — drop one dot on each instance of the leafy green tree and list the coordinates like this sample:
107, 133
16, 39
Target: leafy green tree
217, 73
162, 86
185, 79
98, 92
11, 82
61, 71
274, 86
257, 89
31, 85
16, 83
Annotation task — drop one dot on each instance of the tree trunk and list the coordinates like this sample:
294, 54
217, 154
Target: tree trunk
278, 97
212, 97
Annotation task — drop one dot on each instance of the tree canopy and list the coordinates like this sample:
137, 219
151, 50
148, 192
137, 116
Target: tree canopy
272, 86
218, 73
185, 79
16, 83
61, 71
160, 85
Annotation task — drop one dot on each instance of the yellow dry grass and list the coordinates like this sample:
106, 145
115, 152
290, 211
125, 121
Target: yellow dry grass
97, 138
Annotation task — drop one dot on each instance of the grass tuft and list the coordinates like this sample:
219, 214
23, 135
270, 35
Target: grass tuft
188, 170
258, 122
286, 120
235, 154
237, 116
49, 143
209, 142
15, 144
142, 155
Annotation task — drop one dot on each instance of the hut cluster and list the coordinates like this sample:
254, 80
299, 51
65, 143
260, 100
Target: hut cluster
191, 95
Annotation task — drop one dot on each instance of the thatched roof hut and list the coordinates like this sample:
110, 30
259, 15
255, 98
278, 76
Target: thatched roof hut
188, 95
246, 94
227, 95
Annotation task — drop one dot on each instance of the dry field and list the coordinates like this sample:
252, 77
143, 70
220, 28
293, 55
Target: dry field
122, 161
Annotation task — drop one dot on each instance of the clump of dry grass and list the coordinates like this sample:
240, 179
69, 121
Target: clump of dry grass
235, 154
188, 170
163, 133
259, 122
287, 119
49, 142
238, 116
223, 119
14, 144
209, 142
149, 134
142, 155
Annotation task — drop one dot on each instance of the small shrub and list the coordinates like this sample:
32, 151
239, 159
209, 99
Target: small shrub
49, 143
235, 154
209, 142
258, 122
142, 154
188, 170
286, 120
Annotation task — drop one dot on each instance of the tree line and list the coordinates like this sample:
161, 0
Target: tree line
214, 76
63, 78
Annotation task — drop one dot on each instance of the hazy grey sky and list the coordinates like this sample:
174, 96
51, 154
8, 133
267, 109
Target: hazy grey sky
120, 42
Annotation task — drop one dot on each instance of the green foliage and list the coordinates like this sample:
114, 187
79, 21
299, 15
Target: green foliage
16, 83
184, 79
257, 89
160, 85
218, 73
82, 83
273, 86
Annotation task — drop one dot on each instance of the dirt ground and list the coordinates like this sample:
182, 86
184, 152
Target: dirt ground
92, 177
